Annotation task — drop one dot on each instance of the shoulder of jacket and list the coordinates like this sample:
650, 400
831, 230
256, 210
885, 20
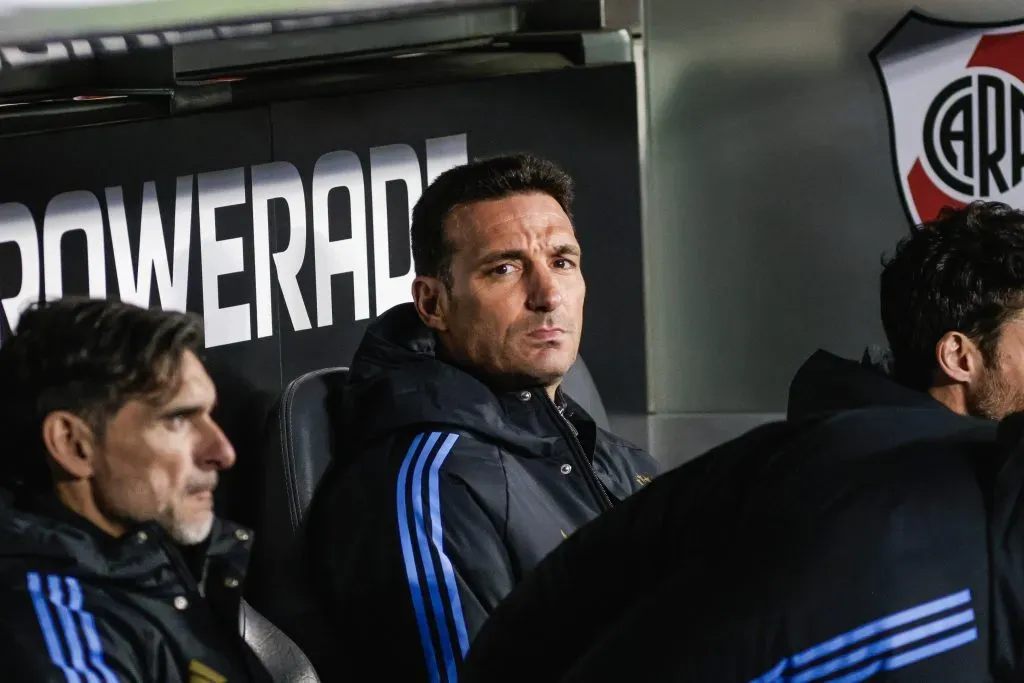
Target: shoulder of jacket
457, 449
617, 441
21, 582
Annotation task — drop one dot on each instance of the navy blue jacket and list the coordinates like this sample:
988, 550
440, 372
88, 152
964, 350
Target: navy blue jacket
79, 606
452, 492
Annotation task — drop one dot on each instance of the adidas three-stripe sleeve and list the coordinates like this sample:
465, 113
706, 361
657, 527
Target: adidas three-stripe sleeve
48, 635
456, 564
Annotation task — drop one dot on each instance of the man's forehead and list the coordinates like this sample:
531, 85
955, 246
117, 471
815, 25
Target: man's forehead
535, 209
191, 383
490, 224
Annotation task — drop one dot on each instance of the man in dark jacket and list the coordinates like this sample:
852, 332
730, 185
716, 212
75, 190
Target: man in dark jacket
113, 567
876, 534
468, 464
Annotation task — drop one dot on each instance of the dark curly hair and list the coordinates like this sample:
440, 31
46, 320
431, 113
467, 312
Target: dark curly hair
88, 357
963, 271
480, 180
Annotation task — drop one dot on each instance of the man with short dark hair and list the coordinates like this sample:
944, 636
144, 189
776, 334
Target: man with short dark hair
952, 304
469, 462
876, 534
114, 567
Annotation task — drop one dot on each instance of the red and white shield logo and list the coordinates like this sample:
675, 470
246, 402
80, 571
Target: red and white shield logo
955, 95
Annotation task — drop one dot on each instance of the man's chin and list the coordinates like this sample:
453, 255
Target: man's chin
192, 532
548, 361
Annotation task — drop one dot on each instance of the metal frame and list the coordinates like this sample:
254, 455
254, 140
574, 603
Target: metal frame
375, 37
32, 21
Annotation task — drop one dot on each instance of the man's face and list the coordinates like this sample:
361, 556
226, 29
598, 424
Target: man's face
515, 309
999, 390
159, 461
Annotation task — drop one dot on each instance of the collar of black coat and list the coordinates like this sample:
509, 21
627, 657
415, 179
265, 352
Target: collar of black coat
399, 380
827, 383
38, 528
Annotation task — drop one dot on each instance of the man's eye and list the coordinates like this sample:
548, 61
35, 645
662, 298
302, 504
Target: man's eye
503, 269
176, 422
564, 264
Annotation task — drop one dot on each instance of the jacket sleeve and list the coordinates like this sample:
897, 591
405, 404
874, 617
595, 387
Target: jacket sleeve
47, 636
456, 562
646, 469
626, 469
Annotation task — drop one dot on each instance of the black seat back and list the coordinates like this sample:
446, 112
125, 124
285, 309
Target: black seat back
301, 438
300, 447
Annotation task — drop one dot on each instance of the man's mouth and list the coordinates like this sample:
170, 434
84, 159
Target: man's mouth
546, 334
205, 490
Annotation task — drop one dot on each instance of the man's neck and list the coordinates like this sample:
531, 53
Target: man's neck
950, 395
77, 497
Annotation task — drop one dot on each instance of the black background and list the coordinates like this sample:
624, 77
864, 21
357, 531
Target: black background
583, 118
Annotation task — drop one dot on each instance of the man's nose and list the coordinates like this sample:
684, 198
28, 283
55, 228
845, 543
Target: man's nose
216, 452
545, 292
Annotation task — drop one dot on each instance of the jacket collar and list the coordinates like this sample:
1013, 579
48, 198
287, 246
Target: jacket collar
400, 380
826, 383
40, 526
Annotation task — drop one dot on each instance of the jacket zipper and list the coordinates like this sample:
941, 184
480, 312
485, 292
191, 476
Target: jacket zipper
196, 591
582, 462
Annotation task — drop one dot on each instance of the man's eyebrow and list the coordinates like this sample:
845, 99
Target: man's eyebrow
567, 250
186, 409
503, 255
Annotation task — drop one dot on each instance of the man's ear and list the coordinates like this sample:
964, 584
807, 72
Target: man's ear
958, 357
430, 297
70, 442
